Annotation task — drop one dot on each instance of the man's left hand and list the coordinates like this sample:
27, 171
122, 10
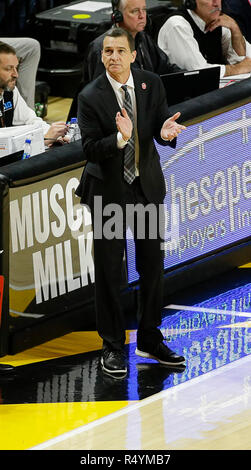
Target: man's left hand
170, 128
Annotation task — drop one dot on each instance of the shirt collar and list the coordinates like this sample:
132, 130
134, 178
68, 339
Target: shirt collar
116, 85
199, 22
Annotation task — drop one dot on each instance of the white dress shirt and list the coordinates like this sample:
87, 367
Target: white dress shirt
176, 38
23, 114
120, 95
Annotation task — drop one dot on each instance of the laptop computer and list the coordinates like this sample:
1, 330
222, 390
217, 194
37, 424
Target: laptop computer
13, 157
181, 86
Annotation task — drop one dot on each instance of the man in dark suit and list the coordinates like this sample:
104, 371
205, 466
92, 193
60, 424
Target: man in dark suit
132, 16
123, 169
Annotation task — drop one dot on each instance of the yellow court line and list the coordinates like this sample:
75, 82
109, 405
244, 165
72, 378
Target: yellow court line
27, 425
78, 342
19, 300
129, 426
248, 265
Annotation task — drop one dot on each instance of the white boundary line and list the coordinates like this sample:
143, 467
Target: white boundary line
140, 404
208, 310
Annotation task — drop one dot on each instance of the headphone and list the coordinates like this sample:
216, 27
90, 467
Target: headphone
117, 16
190, 4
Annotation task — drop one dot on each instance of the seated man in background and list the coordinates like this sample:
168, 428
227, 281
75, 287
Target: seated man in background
28, 53
240, 10
18, 113
131, 15
200, 36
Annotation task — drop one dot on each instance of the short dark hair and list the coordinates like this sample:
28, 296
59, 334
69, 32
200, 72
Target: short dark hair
117, 32
6, 49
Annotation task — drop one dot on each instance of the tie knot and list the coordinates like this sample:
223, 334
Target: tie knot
124, 88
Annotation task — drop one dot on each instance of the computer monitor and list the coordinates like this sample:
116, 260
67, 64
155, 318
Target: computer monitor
181, 86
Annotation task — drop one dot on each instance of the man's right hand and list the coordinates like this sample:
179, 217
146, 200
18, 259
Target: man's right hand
58, 129
124, 124
241, 67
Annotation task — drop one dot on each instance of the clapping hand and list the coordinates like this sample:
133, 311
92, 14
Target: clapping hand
124, 124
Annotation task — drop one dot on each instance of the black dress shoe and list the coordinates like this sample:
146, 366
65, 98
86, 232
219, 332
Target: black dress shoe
6, 368
163, 354
113, 362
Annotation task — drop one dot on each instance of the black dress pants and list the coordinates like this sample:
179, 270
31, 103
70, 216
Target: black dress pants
108, 261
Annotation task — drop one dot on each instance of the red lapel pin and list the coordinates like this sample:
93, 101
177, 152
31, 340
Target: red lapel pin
143, 85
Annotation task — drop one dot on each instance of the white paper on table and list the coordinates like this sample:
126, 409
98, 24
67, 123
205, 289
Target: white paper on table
5, 145
88, 6
12, 139
238, 77
231, 79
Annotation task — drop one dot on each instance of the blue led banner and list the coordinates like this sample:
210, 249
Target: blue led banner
208, 184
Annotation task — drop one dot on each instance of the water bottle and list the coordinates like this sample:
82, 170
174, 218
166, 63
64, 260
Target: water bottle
27, 149
74, 132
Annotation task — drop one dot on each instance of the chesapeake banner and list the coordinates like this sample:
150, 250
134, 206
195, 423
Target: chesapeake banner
208, 184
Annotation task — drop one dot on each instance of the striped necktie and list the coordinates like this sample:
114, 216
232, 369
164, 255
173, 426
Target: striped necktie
129, 160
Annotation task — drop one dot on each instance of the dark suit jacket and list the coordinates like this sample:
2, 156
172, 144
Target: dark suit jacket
97, 110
